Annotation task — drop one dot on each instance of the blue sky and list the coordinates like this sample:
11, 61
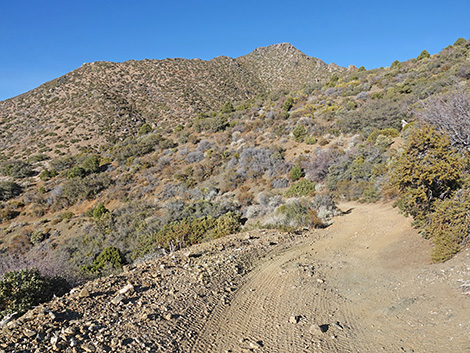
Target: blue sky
42, 40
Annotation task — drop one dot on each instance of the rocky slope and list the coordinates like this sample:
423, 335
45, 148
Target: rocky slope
362, 285
103, 101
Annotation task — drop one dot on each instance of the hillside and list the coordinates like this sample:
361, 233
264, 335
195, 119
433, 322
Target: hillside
104, 101
270, 142
363, 285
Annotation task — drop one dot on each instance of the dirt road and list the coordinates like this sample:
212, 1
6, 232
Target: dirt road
363, 285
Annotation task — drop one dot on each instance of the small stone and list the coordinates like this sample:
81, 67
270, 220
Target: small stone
84, 293
29, 333
314, 329
117, 299
254, 345
127, 289
337, 325
52, 315
54, 340
88, 347
168, 316
294, 319
114, 342
319, 280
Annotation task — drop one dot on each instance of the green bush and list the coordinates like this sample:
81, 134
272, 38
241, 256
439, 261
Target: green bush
85, 188
145, 129
99, 211
37, 237
395, 65
459, 42
299, 133
76, 172
448, 226
18, 169
9, 190
296, 173
21, 290
310, 140
188, 231
47, 174
424, 55
301, 188
110, 258
297, 213
391, 132
429, 169
91, 164
289, 102
227, 108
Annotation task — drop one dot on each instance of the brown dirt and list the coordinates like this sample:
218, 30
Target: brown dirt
364, 284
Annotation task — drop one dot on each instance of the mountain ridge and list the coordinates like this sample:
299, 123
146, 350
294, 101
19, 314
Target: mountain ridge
102, 100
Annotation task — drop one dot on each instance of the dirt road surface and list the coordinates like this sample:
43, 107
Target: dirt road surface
364, 284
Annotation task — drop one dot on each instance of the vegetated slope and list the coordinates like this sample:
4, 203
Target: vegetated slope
281, 66
106, 101
363, 285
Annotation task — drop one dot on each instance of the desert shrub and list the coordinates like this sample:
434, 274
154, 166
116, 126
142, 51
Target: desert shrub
325, 206
47, 174
301, 188
227, 108
7, 214
108, 259
428, 169
23, 289
138, 147
464, 71
450, 114
288, 103
66, 215
76, 172
214, 124
60, 164
391, 132
460, 42
294, 214
245, 197
254, 162
204, 145
8, 190
85, 188
424, 55
187, 231
296, 173
99, 211
145, 129
316, 169
395, 65
18, 169
37, 237
280, 183
310, 140
91, 164
448, 226
194, 157
299, 133
375, 114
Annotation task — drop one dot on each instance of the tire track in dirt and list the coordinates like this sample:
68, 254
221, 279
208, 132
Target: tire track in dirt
275, 308
365, 280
